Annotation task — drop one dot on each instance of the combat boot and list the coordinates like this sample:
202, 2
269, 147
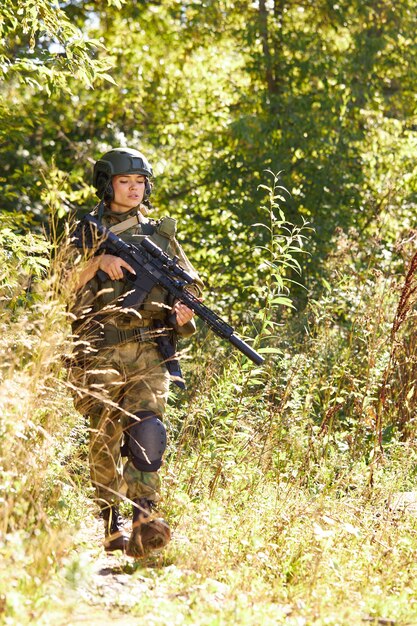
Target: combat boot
148, 532
115, 537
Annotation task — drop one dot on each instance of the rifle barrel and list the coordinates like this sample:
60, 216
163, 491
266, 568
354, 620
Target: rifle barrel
246, 349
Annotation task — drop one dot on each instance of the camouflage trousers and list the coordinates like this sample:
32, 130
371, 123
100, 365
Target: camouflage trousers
119, 381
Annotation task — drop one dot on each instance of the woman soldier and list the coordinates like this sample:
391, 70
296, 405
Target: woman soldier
121, 379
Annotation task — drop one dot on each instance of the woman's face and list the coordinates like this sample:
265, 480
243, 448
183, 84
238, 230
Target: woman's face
129, 190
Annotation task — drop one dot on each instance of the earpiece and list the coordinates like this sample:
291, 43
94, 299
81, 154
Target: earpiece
108, 193
148, 188
104, 187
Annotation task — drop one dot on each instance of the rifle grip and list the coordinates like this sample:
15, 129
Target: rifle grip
102, 276
172, 320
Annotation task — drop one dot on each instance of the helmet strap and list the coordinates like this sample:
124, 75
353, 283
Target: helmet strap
100, 211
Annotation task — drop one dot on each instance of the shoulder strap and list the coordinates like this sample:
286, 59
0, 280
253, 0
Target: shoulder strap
125, 225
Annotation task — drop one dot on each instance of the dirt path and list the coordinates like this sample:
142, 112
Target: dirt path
110, 586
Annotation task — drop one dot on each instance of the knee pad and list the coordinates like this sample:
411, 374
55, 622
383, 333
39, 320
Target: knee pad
147, 441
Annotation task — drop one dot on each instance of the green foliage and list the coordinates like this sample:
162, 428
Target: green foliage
287, 95
42, 55
23, 259
42, 49
278, 258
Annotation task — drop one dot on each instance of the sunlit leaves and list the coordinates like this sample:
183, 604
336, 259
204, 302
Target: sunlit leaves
42, 48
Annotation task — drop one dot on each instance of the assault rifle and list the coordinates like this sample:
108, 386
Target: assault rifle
154, 267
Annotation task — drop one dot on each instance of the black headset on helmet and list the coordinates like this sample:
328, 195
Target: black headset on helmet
120, 161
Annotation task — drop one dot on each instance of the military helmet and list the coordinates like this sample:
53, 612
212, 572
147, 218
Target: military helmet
119, 161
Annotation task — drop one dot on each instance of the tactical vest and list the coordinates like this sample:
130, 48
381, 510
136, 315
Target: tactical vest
162, 233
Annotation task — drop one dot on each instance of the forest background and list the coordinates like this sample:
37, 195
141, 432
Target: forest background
283, 139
